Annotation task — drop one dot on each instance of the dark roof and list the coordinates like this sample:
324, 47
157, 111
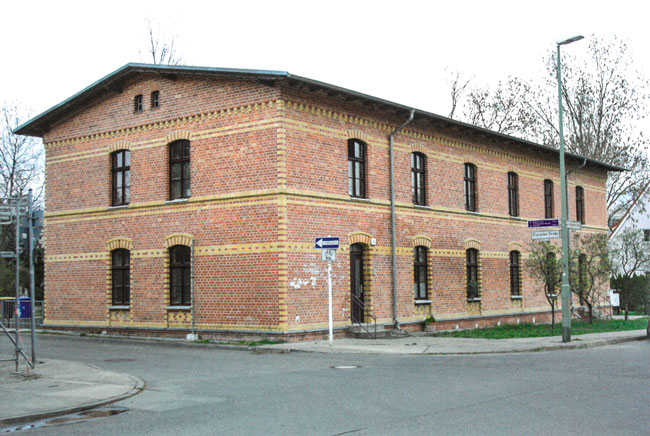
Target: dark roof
113, 81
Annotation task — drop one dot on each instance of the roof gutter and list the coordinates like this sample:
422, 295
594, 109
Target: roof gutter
392, 216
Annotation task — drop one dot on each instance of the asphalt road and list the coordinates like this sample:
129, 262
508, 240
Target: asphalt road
207, 391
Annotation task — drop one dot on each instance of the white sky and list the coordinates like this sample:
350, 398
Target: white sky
397, 50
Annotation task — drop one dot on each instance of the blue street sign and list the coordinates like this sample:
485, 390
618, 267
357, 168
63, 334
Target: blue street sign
327, 243
544, 223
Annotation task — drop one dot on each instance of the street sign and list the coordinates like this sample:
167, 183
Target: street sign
7, 254
545, 235
327, 242
554, 222
573, 225
328, 254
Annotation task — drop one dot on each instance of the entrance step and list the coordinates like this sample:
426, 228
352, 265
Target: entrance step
359, 332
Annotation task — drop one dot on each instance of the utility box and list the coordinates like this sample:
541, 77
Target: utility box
25, 307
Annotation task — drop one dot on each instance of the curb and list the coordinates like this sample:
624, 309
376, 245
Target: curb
138, 387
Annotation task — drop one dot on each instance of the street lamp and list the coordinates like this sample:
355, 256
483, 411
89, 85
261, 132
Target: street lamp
566, 289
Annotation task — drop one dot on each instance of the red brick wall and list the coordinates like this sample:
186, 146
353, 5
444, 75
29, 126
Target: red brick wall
268, 176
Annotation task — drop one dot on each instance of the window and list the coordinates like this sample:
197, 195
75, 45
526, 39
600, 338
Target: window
356, 168
179, 169
513, 194
470, 187
418, 178
420, 266
515, 273
548, 199
180, 261
121, 176
155, 99
120, 277
550, 273
137, 103
580, 204
472, 274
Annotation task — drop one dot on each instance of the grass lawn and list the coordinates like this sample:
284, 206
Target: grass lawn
578, 327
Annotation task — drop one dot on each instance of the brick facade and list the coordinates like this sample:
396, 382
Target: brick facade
268, 175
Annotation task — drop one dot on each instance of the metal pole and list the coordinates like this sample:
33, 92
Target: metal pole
192, 288
566, 288
17, 304
329, 302
392, 215
30, 238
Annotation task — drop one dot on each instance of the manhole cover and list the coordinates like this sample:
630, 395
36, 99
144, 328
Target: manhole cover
345, 367
119, 360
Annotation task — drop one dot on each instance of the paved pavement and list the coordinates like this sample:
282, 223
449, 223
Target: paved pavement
423, 344
57, 387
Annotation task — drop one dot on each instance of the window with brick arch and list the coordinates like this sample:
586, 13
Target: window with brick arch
420, 265
513, 194
470, 187
121, 177
418, 178
137, 103
548, 199
155, 99
473, 290
580, 204
121, 274
179, 169
180, 270
515, 273
356, 168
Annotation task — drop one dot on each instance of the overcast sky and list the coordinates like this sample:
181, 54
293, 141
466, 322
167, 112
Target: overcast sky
397, 50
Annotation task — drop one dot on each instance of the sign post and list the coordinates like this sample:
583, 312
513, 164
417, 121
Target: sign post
328, 248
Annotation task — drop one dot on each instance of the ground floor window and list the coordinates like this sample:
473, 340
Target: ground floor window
420, 273
180, 262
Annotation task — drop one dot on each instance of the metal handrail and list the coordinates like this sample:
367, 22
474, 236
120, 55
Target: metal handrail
362, 305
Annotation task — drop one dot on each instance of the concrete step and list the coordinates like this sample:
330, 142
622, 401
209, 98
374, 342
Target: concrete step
358, 332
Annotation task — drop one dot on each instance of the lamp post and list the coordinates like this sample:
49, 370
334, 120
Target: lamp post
566, 289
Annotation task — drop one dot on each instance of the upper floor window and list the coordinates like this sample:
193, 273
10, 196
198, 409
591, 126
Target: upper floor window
180, 267
356, 168
471, 256
121, 177
580, 204
548, 198
179, 169
120, 277
155, 99
515, 273
513, 194
418, 178
137, 103
420, 273
470, 187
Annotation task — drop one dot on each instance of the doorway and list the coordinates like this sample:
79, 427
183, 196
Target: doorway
356, 283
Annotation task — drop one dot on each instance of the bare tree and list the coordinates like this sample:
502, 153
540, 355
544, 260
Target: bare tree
590, 269
604, 102
458, 86
542, 266
162, 47
629, 257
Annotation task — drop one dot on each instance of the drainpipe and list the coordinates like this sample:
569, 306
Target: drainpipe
392, 216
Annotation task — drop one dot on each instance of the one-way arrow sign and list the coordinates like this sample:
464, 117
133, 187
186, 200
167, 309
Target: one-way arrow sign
327, 243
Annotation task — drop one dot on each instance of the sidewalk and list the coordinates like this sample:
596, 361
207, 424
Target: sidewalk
57, 387
419, 343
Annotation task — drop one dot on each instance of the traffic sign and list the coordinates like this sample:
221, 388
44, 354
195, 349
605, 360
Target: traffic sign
327, 242
545, 235
328, 254
573, 225
7, 254
554, 222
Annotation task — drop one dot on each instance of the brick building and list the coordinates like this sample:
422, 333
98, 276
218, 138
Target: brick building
189, 197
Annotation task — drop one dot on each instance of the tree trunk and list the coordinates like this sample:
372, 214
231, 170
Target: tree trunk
553, 317
627, 309
591, 313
